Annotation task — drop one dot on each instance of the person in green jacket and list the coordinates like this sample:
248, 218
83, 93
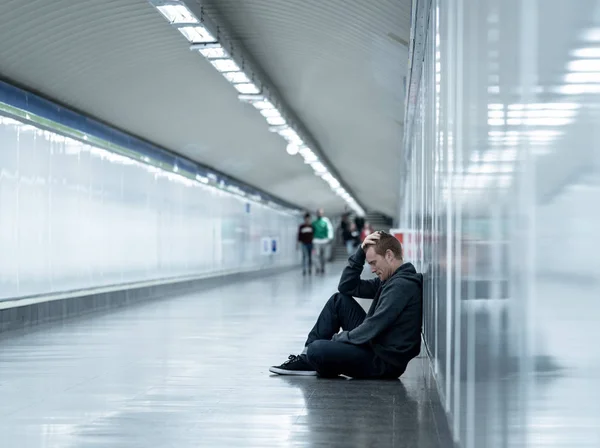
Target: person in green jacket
322, 237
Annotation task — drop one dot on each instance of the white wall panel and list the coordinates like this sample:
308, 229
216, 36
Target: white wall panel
75, 216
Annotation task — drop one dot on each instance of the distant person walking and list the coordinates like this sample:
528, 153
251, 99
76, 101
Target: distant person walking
359, 221
351, 238
322, 237
305, 239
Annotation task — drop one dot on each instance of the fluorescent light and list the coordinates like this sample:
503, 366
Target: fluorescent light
250, 98
291, 136
554, 106
177, 14
276, 121
270, 113
496, 122
292, 149
279, 129
496, 114
236, 77
247, 87
578, 89
554, 113
308, 155
544, 135
585, 65
213, 52
563, 106
202, 179
502, 155
318, 167
591, 52
580, 78
495, 106
196, 34
332, 181
328, 177
545, 121
225, 65
491, 168
263, 105
310, 158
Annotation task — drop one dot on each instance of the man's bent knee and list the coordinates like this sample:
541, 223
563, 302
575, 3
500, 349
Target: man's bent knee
339, 297
315, 352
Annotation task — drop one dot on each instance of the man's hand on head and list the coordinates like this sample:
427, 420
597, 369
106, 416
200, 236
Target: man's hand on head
370, 240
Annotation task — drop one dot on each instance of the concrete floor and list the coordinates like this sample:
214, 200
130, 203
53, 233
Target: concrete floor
192, 371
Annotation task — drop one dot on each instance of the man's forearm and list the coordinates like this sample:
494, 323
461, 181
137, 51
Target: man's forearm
350, 282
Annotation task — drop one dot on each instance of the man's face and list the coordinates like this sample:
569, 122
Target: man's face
320, 213
380, 265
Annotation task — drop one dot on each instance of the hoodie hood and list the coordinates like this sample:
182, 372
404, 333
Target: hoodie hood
407, 271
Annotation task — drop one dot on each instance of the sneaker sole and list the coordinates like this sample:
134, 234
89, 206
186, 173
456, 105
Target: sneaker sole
292, 372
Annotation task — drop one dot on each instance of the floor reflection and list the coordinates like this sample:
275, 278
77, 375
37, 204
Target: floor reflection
352, 413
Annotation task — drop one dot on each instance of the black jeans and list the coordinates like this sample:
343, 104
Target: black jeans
331, 358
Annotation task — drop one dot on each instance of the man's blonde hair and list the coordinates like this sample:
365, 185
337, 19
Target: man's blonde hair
388, 242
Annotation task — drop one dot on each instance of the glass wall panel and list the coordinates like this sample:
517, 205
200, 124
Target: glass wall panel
502, 192
74, 216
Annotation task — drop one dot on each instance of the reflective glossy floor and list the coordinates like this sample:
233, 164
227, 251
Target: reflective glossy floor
193, 371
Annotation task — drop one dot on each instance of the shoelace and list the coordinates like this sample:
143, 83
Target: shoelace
291, 359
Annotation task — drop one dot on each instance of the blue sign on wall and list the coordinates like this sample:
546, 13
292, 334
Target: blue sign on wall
274, 246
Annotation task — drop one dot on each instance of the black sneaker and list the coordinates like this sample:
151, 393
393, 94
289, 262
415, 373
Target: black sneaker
295, 365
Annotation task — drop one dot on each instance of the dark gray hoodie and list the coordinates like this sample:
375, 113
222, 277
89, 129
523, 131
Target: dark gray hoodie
393, 324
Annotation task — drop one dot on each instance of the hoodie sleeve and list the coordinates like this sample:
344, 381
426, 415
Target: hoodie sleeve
329, 229
392, 302
351, 284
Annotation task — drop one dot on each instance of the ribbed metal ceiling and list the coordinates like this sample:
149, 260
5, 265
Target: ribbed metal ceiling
340, 66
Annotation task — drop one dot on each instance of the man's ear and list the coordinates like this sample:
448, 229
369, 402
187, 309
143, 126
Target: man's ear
389, 255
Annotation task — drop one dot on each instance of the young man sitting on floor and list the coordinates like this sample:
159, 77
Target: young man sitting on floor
378, 344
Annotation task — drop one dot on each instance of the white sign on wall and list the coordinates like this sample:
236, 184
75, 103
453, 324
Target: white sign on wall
265, 246
269, 246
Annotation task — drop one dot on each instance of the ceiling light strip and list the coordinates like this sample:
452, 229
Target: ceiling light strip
212, 43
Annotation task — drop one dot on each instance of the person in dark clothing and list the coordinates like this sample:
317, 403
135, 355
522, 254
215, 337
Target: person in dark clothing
305, 239
359, 222
377, 344
351, 238
345, 223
